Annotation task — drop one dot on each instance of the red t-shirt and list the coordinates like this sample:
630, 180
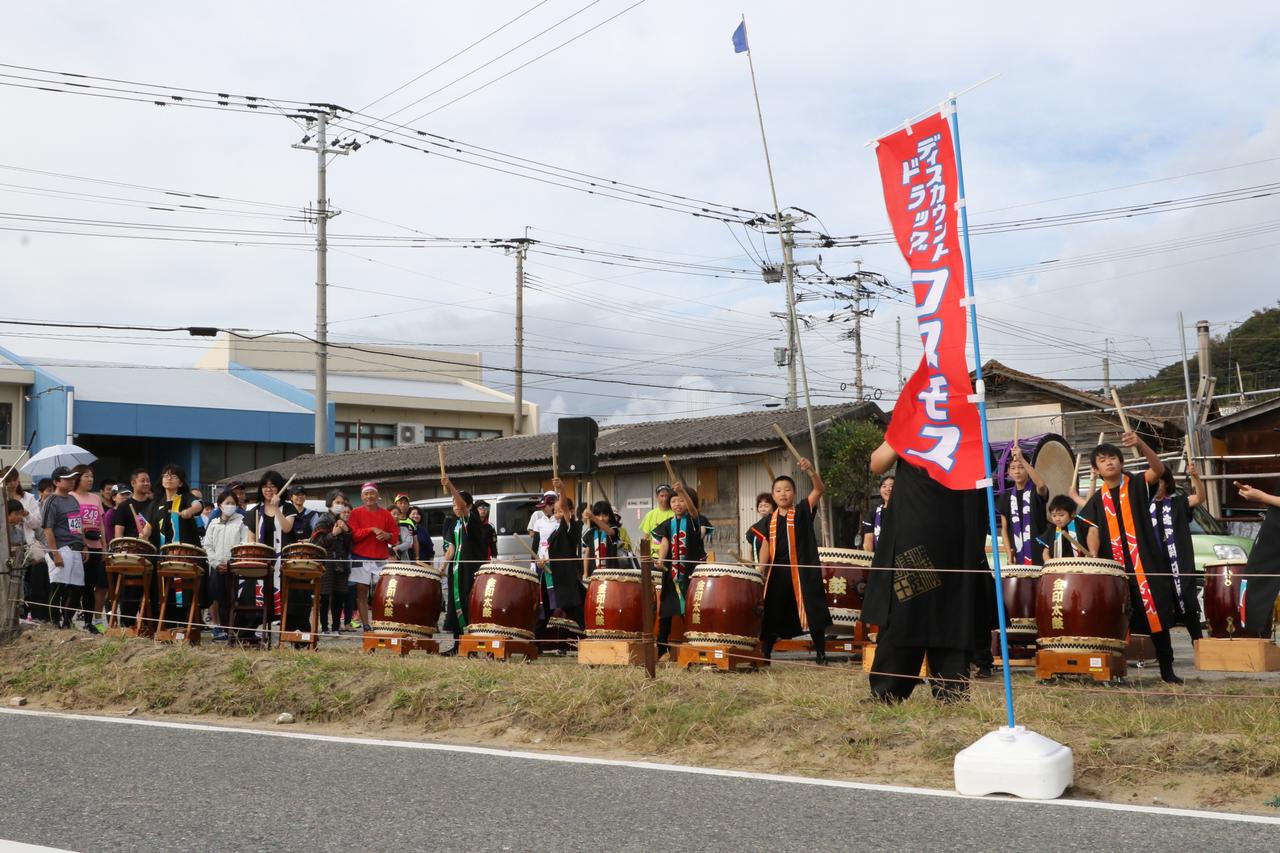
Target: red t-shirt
364, 542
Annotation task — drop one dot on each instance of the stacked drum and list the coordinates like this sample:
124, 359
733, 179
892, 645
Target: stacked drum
1222, 605
504, 602
1082, 605
613, 608
724, 606
845, 573
1021, 584
407, 599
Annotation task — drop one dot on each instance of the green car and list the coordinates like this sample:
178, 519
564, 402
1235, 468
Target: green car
1212, 543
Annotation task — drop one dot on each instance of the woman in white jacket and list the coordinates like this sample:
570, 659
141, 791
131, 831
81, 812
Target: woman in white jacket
220, 535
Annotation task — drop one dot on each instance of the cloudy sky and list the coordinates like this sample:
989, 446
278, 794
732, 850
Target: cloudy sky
1098, 106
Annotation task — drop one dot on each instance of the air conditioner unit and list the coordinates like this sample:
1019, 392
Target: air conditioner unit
410, 433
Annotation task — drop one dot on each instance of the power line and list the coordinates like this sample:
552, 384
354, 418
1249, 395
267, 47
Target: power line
213, 330
434, 92
449, 59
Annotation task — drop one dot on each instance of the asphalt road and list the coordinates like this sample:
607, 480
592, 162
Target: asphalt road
89, 785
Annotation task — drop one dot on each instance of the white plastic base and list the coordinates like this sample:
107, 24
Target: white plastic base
1015, 761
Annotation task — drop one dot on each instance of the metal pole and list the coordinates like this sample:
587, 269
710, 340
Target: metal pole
980, 392
792, 335
322, 287
797, 351
1186, 381
518, 423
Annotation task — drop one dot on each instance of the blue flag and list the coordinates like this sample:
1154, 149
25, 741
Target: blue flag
740, 38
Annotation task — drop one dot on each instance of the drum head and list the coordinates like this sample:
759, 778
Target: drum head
844, 556
522, 572
1053, 461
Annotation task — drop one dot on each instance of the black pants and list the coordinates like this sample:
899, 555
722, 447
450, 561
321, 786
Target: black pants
332, 603
818, 638
897, 672
36, 591
1164, 652
664, 633
64, 600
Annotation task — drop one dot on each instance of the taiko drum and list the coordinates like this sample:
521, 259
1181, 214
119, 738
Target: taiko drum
1021, 585
407, 599
181, 556
303, 559
504, 602
723, 607
614, 605
845, 573
252, 559
1222, 600
129, 555
1082, 605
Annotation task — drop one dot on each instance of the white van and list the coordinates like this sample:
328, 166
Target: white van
508, 513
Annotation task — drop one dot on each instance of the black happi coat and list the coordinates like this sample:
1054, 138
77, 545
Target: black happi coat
675, 590
612, 543
1039, 518
467, 536
781, 602
1050, 536
564, 548
1155, 562
1264, 559
928, 526
1188, 606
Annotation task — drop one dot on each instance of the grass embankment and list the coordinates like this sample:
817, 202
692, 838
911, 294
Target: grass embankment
1168, 745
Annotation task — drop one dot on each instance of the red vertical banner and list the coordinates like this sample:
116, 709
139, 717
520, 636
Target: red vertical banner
935, 424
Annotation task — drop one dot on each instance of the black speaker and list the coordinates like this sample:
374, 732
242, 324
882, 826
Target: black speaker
576, 444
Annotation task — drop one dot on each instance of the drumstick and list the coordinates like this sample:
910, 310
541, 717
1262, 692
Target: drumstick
782, 435
1017, 422
555, 460
440, 448
1124, 418
1074, 543
679, 486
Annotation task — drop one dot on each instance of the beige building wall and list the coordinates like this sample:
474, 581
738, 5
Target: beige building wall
470, 419
293, 354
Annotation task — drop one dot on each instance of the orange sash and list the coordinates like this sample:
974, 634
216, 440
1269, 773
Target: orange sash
1129, 541
790, 515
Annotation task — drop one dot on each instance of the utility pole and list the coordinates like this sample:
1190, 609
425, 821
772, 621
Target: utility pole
322, 149
1106, 367
789, 270
901, 382
521, 248
857, 341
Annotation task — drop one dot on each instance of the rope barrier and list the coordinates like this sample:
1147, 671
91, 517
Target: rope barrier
623, 563
958, 685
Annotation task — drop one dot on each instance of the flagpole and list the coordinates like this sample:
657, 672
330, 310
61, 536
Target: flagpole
828, 535
980, 393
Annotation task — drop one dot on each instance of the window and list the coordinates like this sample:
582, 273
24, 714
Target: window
6, 424
362, 436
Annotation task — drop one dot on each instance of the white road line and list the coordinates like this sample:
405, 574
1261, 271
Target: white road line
644, 765
19, 847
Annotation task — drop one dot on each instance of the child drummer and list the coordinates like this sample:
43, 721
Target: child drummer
1120, 529
680, 550
794, 598
1065, 536
1022, 509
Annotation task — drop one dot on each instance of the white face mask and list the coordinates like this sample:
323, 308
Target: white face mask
228, 510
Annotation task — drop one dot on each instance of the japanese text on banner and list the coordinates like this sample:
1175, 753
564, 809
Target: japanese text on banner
934, 425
